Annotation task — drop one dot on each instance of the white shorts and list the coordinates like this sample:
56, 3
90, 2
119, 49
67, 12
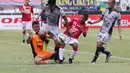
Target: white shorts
104, 37
70, 40
26, 25
55, 30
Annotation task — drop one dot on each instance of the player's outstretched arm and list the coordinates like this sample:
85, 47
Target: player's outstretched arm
66, 22
98, 20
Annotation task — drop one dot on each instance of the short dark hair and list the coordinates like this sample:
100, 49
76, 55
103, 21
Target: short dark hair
85, 15
51, 1
35, 23
114, 1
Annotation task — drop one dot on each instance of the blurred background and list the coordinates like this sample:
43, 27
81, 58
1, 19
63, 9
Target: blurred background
70, 6
10, 15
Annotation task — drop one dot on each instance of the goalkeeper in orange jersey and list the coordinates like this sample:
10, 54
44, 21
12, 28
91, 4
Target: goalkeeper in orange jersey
39, 51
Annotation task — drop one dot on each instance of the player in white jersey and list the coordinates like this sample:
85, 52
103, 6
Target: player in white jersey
53, 13
110, 16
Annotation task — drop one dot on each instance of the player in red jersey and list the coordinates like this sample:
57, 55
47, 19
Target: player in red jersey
27, 15
76, 28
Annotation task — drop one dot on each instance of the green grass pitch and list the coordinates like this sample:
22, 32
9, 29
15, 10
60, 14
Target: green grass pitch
16, 57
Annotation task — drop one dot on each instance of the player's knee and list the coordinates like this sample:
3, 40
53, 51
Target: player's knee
38, 60
75, 46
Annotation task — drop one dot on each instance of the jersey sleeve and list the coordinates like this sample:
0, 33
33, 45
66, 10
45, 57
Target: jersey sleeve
103, 12
62, 13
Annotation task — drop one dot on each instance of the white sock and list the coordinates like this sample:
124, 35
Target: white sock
73, 54
24, 36
27, 35
61, 53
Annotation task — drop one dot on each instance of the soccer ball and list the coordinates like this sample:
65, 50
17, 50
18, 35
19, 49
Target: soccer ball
61, 38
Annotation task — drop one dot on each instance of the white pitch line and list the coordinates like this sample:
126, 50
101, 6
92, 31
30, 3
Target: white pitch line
104, 55
70, 50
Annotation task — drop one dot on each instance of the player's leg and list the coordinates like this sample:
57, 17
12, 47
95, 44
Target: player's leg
54, 31
24, 35
97, 52
74, 43
47, 29
55, 57
61, 54
74, 51
108, 54
57, 46
39, 60
103, 38
43, 31
47, 55
23, 32
29, 31
29, 34
104, 50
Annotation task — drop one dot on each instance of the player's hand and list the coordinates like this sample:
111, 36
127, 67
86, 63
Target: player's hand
120, 37
84, 34
89, 22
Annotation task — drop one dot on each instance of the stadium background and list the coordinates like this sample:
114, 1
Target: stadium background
16, 57
10, 14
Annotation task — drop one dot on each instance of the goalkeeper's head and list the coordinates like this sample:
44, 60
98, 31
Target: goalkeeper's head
36, 26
